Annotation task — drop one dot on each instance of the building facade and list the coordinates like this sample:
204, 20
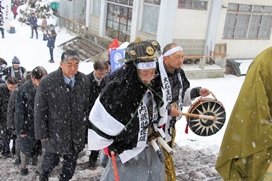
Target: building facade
239, 28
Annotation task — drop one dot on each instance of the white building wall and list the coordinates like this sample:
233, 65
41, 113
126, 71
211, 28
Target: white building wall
191, 26
242, 48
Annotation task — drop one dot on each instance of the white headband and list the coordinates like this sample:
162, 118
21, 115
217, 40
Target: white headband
146, 65
172, 50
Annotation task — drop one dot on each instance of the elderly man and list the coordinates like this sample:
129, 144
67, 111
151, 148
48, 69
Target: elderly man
60, 118
125, 118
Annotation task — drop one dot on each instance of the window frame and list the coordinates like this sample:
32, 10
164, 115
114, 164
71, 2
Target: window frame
249, 22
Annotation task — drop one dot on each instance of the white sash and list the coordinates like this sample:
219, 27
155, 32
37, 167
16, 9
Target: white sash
167, 98
143, 127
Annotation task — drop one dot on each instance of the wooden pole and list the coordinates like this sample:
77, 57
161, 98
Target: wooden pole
198, 116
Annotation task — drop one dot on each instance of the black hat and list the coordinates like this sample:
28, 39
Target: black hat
140, 51
15, 60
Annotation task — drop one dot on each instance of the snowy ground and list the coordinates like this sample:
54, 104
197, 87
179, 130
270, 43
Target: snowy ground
195, 156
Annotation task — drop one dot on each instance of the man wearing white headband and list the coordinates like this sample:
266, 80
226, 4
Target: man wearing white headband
125, 118
176, 93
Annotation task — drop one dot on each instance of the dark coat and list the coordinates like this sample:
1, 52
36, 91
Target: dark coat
94, 88
24, 117
61, 113
4, 99
51, 40
33, 22
11, 111
19, 75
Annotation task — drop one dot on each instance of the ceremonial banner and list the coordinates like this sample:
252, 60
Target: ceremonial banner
116, 55
5, 13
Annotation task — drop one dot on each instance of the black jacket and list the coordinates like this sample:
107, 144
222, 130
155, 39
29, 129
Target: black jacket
4, 99
61, 113
18, 75
95, 90
24, 118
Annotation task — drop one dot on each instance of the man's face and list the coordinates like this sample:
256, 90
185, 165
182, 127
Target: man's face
174, 61
146, 75
70, 67
11, 87
100, 74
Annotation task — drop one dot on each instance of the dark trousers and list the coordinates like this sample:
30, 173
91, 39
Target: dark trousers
34, 28
51, 160
5, 139
2, 32
93, 157
51, 53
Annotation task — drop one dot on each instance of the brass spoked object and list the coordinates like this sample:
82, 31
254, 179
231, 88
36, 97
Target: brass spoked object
209, 116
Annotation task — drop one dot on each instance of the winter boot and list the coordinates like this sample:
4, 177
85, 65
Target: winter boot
51, 61
24, 171
43, 178
17, 161
33, 161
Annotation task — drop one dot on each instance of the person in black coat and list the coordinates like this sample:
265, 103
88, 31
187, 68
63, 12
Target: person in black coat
24, 118
98, 79
51, 38
60, 118
11, 119
5, 91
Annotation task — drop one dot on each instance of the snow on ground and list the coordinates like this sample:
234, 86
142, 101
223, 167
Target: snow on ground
194, 156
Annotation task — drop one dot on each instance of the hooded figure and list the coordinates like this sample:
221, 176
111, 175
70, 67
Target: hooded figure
125, 114
246, 150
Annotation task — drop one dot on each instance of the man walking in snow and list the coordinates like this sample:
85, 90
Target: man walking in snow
98, 79
33, 23
176, 91
5, 91
125, 118
60, 118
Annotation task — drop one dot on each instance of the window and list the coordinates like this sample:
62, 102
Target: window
118, 21
96, 7
193, 4
245, 21
158, 2
150, 18
124, 2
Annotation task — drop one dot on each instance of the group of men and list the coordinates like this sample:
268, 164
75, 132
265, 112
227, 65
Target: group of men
129, 113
